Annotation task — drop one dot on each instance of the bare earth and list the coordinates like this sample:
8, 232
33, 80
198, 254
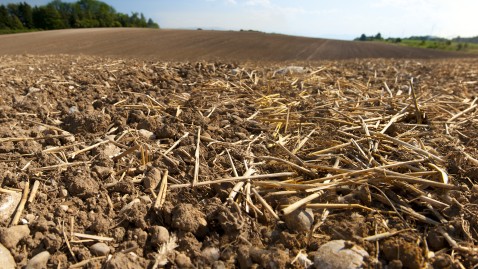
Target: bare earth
229, 157
189, 45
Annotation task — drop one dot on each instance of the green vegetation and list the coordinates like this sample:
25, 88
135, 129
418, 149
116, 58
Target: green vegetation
429, 42
22, 17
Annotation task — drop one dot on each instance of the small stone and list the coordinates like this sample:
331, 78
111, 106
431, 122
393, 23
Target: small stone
146, 134
64, 207
63, 193
159, 235
8, 205
10, 237
300, 220
152, 179
211, 254
6, 258
183, 261
339, 254
38, 261
100, 249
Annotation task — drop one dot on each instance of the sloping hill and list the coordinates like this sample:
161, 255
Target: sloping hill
193, 45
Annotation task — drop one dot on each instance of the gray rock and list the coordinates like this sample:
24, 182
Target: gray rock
38, 261
100, 249
300, 220
6, 258
10, 237
339, 254
8, 204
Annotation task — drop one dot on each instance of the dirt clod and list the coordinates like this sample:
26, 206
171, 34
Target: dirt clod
126, 261
183, 261
188, 218
159, 235
408, 253
10, 237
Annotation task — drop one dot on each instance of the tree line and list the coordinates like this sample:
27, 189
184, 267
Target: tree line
60, 15
425, 38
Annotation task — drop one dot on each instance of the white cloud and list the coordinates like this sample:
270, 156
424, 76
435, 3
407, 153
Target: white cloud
263, 3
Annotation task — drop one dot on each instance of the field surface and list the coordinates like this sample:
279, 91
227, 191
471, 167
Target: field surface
112, 156
190, 45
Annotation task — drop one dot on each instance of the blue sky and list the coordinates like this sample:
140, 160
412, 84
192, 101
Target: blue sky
341, 19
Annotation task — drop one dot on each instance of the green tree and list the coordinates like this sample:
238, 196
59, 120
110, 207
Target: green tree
58, 15
378, 36
363, 37
47, 17
26, 15
152, 24
4, 17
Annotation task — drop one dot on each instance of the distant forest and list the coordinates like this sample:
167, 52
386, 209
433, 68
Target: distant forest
59, 15
378, 37
464, 44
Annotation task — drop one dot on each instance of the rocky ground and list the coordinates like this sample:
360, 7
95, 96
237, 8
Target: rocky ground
110, 163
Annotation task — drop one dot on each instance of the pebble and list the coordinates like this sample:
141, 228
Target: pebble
152, 179
6, 258
100, 249
339, 254
8, 204
146, 134
63, 193
38, 261
10, 237
211, 254
159, 235
183, 261
300, 220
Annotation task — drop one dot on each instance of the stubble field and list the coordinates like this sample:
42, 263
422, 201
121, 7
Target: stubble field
136, 163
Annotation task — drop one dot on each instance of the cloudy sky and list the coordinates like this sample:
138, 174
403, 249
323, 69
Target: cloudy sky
341, 19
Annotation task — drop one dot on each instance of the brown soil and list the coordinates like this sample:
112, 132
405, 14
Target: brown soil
113, 144
189, 45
